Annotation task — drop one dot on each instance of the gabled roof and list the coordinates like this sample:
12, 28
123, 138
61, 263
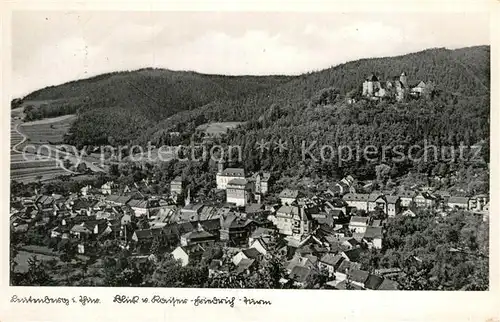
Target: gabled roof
243, 265
251, 253
356, 197
197, 234
289, 210
137, 203
392, 199
177, 180
359, 220
373, 282
372, 78
374, 196
388, 285
233, 172
407, 194
462, 200
118, 199
261, 231
353, 254
331, 259
358, 275
300, 274
373, 232
289, 193
238, 182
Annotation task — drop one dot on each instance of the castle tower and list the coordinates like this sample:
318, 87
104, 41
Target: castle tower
403, 79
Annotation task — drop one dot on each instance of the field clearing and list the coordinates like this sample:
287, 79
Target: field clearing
32, 164
50, 130
32, 175
23, 256
218, 128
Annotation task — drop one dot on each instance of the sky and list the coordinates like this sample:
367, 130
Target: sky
50, 48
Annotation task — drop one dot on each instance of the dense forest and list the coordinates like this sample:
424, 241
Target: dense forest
147, 105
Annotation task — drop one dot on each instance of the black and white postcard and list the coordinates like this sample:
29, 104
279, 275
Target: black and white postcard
250, 161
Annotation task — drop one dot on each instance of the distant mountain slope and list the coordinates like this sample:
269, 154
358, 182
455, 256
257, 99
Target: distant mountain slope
133, 107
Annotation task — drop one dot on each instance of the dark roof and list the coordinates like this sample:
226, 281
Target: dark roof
331, 259
198, 234
373, 282
288, 193
147, 233
251, 253
233, 172
391, 199
243, 265
253, 208
388, 285
406, 194
300, 273
210, 224
356, 197
373, 232
372, 78
118, 199
358, 275
261, 231
237, 182
359, 219
353, 254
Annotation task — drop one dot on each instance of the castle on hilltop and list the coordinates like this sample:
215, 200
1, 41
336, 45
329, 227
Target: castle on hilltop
398, 87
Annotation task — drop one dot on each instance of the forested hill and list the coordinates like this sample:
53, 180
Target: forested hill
136, 106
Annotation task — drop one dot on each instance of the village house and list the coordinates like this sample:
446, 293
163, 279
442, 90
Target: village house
344, 268
358, 224
238, 192
357, 277
176, 186
393, 205
330, 263
294, 221
198, 236
117, 200
377, 201
288, 196
261, 182
444, 195
407, 197
258, 233
146, 235
224, 176
143, 207
106, 189
90, 229
235, 230
458, 203
373, 282
249, 253
300, 276
188, 254
424, 200
373, 237
357, 200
